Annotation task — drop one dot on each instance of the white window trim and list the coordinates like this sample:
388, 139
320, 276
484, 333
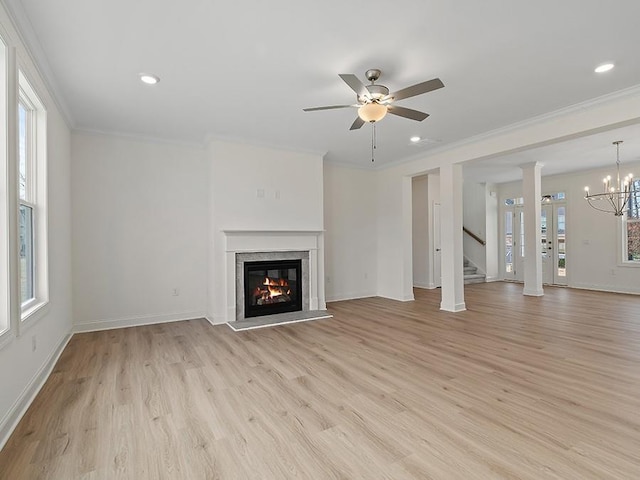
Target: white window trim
7, 327
623, 256
622, 236
32, 310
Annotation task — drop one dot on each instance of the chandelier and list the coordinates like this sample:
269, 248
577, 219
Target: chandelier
615, 196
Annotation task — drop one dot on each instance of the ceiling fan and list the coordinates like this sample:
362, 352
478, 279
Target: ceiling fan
374, 101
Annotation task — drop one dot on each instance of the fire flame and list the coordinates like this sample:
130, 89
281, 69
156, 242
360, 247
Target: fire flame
274, 288
281, 282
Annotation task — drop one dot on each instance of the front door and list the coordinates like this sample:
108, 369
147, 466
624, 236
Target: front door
554, 253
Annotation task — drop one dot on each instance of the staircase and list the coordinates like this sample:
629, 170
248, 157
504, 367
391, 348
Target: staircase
471, 274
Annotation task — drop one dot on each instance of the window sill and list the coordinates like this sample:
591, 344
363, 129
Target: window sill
33, 314
629, 264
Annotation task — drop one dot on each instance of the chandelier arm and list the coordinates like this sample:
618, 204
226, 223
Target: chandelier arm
615, 198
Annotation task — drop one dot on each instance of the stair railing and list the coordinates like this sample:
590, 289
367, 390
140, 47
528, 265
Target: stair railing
474, 236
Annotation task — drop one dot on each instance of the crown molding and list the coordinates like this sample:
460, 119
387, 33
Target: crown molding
27, 35
260, 143
139, 138
530, 122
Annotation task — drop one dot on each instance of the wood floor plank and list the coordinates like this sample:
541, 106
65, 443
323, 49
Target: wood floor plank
513, 388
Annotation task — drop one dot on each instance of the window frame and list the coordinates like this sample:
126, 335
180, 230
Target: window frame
35, 198
624, 229
7, 324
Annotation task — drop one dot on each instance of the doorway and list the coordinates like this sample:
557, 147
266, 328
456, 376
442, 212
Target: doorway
554, 247
437, 250
553, 217
513, 238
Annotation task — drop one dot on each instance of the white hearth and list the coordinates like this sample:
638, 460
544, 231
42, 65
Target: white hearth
265, 242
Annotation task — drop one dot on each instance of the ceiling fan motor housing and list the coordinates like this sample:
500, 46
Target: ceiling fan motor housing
376, 92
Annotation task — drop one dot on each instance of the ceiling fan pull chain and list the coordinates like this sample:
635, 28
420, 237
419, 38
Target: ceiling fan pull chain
373, 141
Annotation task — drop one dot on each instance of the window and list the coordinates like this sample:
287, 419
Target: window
632, 226
32, 211
509, 202
5, 183
27, 203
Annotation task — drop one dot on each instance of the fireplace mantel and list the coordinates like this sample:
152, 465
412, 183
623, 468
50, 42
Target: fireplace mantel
251, 240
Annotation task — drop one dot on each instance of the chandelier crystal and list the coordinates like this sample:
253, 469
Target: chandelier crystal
615, 196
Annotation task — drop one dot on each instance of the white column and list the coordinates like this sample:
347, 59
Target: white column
532, 194
451, 238
407, 237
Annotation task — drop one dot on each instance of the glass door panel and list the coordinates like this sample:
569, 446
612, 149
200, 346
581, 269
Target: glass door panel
561, 245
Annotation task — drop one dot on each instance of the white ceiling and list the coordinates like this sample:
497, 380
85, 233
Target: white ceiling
584, 153
245, 70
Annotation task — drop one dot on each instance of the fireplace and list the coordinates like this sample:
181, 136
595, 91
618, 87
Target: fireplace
272, 286
269, 247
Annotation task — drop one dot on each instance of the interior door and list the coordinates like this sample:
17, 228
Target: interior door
437, 252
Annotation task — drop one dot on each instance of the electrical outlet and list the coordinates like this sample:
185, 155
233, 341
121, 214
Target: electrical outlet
328, 279
277, 195
34, 343
175, 292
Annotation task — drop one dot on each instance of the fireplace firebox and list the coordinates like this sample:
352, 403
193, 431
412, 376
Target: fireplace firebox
271, 287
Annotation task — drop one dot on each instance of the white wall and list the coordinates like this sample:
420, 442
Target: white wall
420, 230
592, 238
350, 232
139, 231
394, 239
23, 370
394, 247
257, 188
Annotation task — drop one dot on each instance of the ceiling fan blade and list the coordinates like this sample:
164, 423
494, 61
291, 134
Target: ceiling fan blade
331, 107
355, 84
418, 89
407, 113
357, 124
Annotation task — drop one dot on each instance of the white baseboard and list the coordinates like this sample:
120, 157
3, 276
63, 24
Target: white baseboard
458, 307
406, 298
604, 288
349, 296
425, 286
533, 292
19, 408
110, 324
218, 319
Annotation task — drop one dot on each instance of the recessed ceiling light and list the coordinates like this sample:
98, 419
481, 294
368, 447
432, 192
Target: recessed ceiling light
415, 139
605, 67
149, 79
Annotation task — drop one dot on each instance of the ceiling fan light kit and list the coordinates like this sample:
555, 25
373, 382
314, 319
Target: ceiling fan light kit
372, 112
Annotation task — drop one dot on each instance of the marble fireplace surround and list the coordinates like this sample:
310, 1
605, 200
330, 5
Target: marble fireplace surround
241, 258
252, 245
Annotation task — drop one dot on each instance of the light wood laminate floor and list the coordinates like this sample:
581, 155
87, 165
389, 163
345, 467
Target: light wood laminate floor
516, 387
